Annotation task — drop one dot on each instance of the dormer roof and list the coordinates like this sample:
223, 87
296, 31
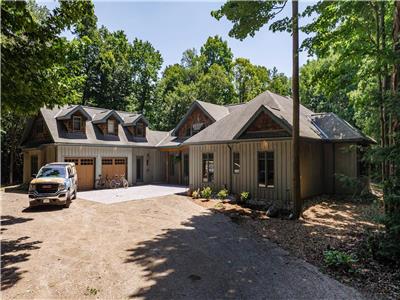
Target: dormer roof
67, 112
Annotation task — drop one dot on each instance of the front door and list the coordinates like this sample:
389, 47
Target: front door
139, 168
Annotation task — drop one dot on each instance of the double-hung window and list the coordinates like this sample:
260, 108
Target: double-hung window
110, 126
208, 167
266, 172
76, 123
139, 129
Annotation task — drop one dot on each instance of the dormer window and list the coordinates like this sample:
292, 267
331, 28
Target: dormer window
140, 129
197, 127
76, 123
110, 126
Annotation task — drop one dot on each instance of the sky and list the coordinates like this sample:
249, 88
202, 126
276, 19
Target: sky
173, 27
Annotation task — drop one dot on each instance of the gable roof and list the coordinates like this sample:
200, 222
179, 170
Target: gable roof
229, 127
213, 111
102, 116
131, 119
67, 112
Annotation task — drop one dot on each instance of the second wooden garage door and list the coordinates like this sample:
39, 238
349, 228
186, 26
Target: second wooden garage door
85, 169
111, 166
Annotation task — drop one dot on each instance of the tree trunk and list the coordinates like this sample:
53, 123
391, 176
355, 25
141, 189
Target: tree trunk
395, 126
379, 17
297, 203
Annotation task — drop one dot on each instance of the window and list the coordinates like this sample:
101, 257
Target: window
111, 126
266, 169
76, 123
236, 162
107, 161
34, 164
208, 167
197, 127
120, 161
139, 129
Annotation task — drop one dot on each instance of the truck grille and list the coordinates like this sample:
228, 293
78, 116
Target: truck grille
46, 188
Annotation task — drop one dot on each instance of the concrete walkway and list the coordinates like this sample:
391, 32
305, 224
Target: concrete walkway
109, 196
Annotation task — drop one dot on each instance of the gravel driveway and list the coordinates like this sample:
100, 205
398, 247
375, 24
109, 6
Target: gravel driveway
163, 248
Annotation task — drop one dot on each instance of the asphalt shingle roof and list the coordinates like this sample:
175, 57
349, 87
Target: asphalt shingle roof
93, 135
229, 122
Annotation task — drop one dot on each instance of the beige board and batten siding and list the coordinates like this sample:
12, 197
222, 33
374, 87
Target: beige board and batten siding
45, 154
345, 164
153, 165
246, 180
311, 169
64, 151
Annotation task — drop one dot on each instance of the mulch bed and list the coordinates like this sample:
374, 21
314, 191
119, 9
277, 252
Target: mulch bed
325, 224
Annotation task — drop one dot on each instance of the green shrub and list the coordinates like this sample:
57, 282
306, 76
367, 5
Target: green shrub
222, 194
244, 196
339, 260
206, 193
196, 194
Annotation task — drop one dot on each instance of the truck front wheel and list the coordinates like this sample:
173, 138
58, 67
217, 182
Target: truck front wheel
68, 201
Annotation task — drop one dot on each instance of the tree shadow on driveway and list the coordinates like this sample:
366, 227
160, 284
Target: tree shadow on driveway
210, 257
14, 252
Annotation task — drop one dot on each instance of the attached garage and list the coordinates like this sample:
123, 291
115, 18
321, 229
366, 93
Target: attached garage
111, 166
85, 167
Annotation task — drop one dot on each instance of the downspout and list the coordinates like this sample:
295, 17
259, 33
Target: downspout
230, 167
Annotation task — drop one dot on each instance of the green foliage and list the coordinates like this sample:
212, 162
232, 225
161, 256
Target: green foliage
206, 193
215, 86
249, 17
34, 60
215, 51
222, 194
339, 260
244, 197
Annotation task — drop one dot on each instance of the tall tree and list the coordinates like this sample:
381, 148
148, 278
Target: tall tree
33, 33
34, 70
215, 86
146, 61
297, 203
216, 51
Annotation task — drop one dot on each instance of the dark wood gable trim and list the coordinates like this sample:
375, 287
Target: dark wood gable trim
178, 131
38, 132
69, 123
194, 122
264, 124
104, 126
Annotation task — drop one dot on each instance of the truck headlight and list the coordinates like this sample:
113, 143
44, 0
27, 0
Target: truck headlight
61, 186
32, 187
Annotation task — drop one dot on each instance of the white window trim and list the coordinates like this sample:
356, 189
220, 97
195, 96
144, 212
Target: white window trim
109, 122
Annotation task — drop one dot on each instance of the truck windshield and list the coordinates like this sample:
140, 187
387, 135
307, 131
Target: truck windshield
52, 172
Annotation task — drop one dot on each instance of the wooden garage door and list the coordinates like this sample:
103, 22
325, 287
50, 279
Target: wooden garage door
85, 168
111, 166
